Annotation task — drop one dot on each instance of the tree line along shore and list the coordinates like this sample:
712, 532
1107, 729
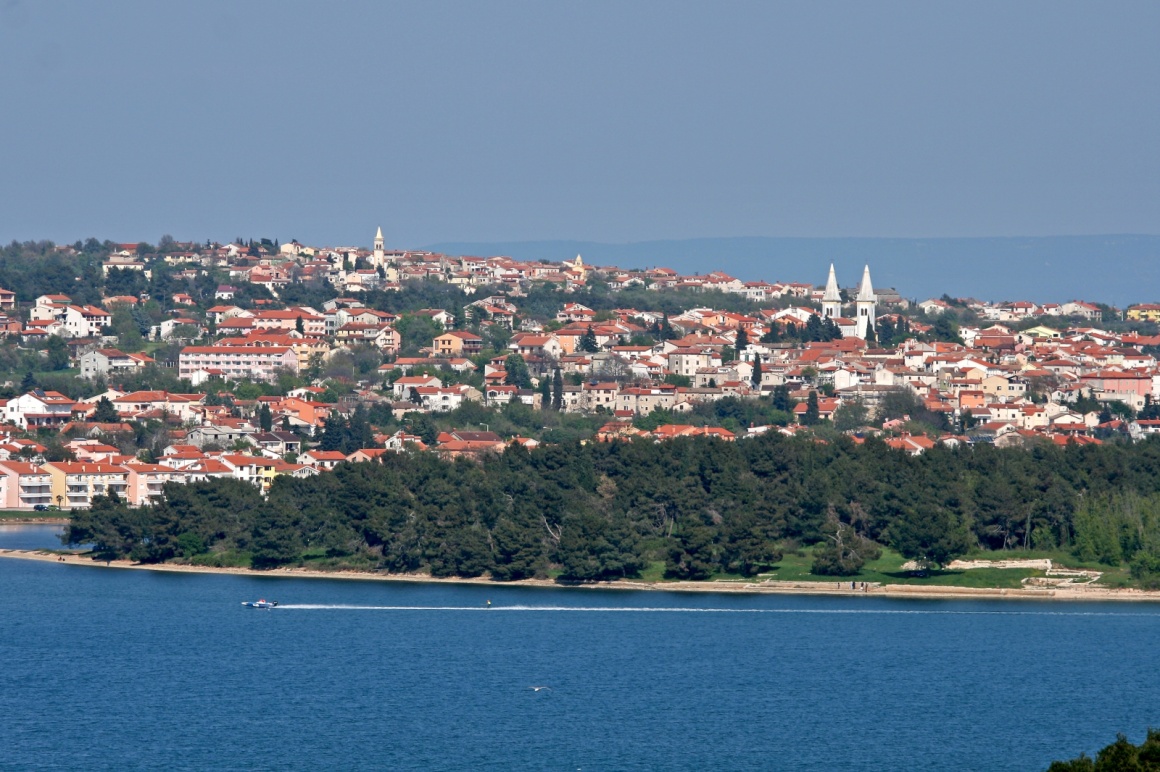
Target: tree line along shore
689, 509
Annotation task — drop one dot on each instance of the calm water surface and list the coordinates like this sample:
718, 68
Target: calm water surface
112, 669
29, 536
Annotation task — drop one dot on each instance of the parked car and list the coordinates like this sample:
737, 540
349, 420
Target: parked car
40, 508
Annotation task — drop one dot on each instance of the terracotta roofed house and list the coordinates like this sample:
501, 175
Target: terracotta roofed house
457, 343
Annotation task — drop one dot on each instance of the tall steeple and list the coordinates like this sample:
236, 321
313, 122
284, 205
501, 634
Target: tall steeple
379, 256
832, 299
867, 304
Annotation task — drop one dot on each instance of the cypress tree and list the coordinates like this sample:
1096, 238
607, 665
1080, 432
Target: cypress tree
557, 390
812, 415
742, 341
265, 418
545, 393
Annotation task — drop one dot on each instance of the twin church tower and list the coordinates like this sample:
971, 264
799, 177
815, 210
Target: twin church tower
865, 304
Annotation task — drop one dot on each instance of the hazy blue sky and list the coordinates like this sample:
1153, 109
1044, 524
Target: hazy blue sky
609, 121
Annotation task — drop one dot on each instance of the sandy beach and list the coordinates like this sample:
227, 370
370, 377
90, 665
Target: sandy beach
1076, 593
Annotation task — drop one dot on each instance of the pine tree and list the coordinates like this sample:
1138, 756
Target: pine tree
666, 331
58, 357
299, 326
28, 383
814, 329
781, 399
105, 413
333, 433
517, 372
831, 330
885, 332
757, 372
359, 433
588, 341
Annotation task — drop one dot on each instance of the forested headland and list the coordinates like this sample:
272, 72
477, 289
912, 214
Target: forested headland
1120, 756
701, 506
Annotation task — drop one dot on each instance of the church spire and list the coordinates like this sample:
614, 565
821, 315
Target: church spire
832, 299
867, 305
832, 292
866, 289
378, 257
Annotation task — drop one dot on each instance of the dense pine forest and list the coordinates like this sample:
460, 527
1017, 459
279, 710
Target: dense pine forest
702, 506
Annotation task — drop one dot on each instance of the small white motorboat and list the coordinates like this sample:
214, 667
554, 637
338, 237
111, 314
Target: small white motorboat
262, 603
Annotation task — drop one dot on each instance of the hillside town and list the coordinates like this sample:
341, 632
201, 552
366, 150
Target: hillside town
252, 360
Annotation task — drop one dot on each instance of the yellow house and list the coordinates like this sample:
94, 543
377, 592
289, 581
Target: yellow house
1145, 312
1042, 331
457, 343
256, 470
74, 484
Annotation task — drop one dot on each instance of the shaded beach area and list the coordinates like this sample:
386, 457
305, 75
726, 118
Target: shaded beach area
1081, 592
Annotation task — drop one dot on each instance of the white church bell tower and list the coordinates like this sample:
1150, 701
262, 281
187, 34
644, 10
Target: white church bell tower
379, 256
867, 305
832, 299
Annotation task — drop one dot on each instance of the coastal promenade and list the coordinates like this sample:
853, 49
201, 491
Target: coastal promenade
1081, 592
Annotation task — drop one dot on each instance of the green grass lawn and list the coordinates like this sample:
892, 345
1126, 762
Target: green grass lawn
20, 514
888, 570
655, 572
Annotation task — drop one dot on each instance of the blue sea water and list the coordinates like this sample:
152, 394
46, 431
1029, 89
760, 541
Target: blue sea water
25, 536
113, 669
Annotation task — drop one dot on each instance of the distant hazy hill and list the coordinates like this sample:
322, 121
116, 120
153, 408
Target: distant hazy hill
1110, 269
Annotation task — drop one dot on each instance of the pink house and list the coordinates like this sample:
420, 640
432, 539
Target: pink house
24, 485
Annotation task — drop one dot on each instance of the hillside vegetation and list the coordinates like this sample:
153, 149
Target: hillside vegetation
701, 506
